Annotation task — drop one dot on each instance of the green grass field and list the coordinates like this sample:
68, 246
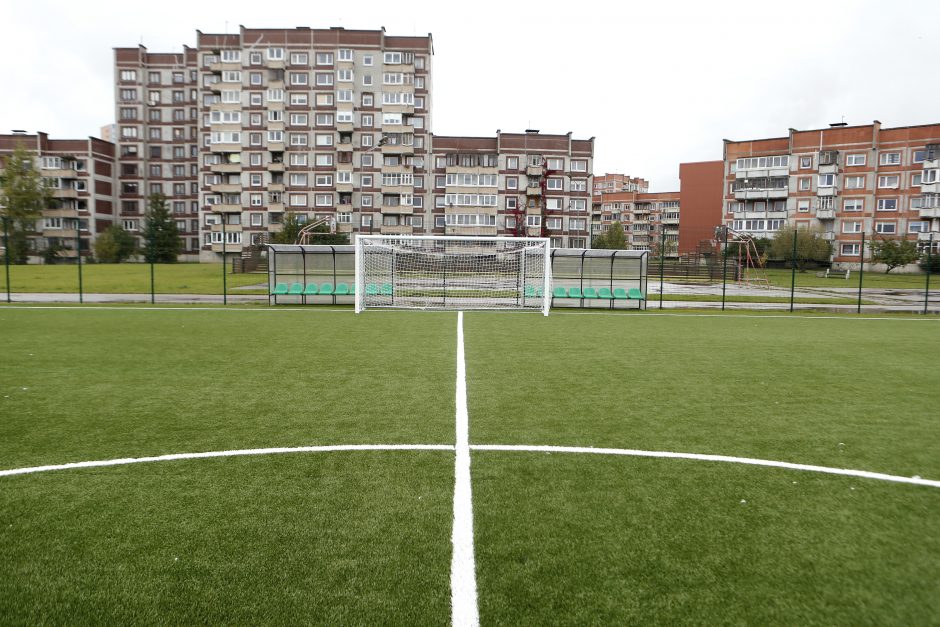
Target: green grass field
130, 278
363, 536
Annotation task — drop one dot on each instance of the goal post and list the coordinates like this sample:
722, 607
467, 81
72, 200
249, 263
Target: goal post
452, 272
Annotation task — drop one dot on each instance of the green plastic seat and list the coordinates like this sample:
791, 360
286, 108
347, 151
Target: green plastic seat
604, 292
560, 292
352, 289
341, 289
574, 292
620, 293
326, 289
311, 289
386, 289
372, 289
635, 294
539, 292
280, 289
590, 292
530, 291
296, 289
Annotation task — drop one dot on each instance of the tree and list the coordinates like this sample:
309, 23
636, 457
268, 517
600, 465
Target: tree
161, 237
934, 265
613, 238
894, 253
290, 230
810, 246
115, 245
23, 196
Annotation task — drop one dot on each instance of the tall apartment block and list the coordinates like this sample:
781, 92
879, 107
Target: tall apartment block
648, 218
846, 180
514, 184
613, 183
333, 124
82, 176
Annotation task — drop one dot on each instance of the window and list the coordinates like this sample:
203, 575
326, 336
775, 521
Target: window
578, 185
887, 204
368, 59
890, 158
231, 76
553, 204
577, 204
275, 136
298, 119
231, 96
324, 119
367, 80
512, 202
324, 139
850, 250
324, 78
298, 158
512, 163
231, 56
298, 58
128, 75
853, 204
324, 160
298, 99
366, 200
275, 95
886, 228
324, 58
553, 223
512, 182
578, 165
888, 181
346, 117
324, 200
555, 163
367, 100
275, 54
344, 76
802, 205
254, 180
806, 162
852, 226
930, 176
826, 180
750, 163
298, 139
918, 227
299, 78
856, 159
577, 224
917, 179
366, 220
128, 95
324, 180
297, 200
344, 95
804, 183
556, 184
533, 220
855, 182
254, 99
345, 54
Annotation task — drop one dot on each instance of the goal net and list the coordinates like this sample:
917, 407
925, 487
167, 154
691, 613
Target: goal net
438, 272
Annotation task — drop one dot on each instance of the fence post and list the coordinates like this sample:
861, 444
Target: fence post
724, 268
796, 232
224, 277
6, 252
662, 261
861, 273
78, 251
927, 286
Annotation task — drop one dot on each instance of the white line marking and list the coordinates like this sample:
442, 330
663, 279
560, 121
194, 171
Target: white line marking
463, 581
234, 453
708, 458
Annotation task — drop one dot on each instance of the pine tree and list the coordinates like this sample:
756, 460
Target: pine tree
161, 237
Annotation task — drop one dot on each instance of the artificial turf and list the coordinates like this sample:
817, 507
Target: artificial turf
95, 383
364, 537
839, 392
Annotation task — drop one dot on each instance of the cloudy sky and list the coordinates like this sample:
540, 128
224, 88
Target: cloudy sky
657, 83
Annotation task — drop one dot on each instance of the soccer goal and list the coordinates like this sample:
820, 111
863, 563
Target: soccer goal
442, 272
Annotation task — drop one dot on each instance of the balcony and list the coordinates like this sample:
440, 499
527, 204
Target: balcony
534, 170
401, 229
64, 193
223, 168
226, 208
829, 236
747, 194
926, 237
929, 212
825, 214
533, 190
276, 166
226, 188
397, 209
826, 191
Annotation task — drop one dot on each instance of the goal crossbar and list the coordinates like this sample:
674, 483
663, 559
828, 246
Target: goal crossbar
452, 272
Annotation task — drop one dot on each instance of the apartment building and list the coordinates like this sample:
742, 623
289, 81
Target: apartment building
846, 180
646, 218
613, 183
81, 174
513, 184
333, 124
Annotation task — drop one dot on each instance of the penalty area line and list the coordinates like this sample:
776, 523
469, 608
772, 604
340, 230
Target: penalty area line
750, 461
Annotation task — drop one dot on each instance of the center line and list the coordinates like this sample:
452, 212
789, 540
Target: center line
463, 581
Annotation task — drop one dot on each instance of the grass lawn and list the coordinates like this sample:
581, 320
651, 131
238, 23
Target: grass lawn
130, 278
363, 537
730, 298
879, 280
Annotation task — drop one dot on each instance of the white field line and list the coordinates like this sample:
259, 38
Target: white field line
234, 453
708, 458
463, 581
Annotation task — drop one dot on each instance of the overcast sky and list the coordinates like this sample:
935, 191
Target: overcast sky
657, 83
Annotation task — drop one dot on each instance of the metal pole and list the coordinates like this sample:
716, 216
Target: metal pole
78, 243
6, 252
224, 278
793, 269
861, 272
927, 286
662, 260
724, 269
